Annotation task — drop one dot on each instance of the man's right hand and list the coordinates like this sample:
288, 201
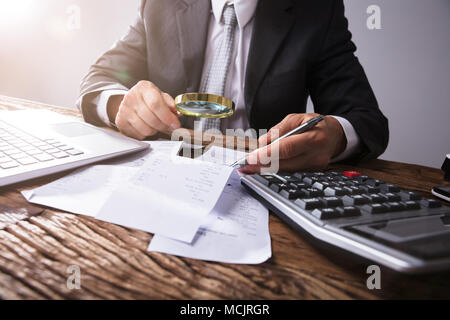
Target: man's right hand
144, 111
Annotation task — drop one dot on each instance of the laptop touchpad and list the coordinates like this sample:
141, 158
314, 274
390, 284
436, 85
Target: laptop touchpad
73, 129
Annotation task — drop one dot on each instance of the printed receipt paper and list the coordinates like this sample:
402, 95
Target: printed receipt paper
236, 231
168, 197
86, 190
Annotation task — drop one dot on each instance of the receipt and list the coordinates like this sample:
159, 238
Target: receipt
168, 197
236, 231
85, 190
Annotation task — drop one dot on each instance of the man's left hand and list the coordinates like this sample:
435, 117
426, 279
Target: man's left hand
311, 150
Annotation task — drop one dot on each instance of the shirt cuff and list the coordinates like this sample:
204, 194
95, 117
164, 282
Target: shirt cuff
101, 103
353, 140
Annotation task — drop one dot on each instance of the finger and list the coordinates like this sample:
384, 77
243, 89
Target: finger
287, 148
149, 117
305, 161
155, 101
169, 101
141, 126
131, 132
250, 169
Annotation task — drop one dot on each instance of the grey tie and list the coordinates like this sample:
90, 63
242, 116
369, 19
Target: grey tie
216, 77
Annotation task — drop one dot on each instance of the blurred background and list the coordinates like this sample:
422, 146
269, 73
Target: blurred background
46, 46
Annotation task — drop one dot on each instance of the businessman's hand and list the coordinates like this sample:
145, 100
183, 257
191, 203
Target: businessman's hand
311, 150
144, 111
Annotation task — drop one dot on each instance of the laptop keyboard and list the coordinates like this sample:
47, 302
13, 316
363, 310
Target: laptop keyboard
18, 148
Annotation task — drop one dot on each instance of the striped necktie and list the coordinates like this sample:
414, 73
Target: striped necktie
216, 76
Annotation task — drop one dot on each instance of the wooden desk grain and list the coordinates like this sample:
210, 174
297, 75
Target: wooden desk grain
36, 251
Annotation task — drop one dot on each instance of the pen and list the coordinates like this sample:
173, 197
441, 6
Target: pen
300, 129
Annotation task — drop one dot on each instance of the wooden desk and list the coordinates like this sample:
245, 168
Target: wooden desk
36, 252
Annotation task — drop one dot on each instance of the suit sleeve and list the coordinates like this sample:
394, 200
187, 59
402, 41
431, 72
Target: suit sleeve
338, 86
120, 68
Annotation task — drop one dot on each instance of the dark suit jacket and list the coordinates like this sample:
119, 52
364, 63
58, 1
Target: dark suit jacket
298, 48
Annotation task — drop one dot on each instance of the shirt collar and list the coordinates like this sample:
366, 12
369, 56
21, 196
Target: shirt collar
245, 10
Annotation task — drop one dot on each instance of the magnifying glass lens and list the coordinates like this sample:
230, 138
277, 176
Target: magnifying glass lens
204, 105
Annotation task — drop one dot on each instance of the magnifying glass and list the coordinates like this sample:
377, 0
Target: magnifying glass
204, 105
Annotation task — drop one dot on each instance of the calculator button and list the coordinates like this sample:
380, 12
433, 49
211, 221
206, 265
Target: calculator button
331, 202
430, 203
411, 205
374, 208
352, 174
310, 180
312, 192
277, 187
265, 180
349, 211
298, 185
389, 188
370, 189
374, 182
335, 191
409, 195
309, 204
355, 200
393, 197
395, 206
291, 194
326, 214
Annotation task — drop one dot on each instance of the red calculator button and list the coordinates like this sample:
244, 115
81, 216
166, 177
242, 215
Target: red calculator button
352, 174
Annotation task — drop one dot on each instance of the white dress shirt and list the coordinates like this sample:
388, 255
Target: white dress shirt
234, 87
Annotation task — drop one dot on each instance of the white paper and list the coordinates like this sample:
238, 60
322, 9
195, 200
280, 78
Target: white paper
168, 197
86, 190
223, 156
162, 147
236, 231
82, 192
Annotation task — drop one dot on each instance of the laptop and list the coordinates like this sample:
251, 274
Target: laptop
36, 143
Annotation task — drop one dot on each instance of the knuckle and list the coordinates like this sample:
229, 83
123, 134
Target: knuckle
294, 119
290, 116
143, 84
129, 100
153, 101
